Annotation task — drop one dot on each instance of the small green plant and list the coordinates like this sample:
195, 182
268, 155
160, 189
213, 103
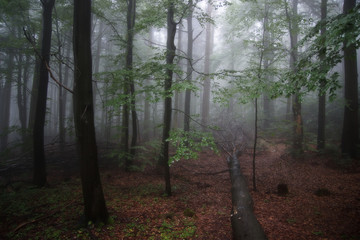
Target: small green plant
318, 233
291, 220
188, 144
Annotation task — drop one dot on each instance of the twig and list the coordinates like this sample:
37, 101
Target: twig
53, 78
31, 41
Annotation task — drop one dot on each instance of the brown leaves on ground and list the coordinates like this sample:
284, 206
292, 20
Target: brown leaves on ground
200, 205
302, 214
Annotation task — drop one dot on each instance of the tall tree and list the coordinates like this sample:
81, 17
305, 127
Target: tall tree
94, 202
39, 177
129, 90
5, 97
146, 131
350, 130
207, 84
189, 70
293, 27
170, 55
322, 94
129, 66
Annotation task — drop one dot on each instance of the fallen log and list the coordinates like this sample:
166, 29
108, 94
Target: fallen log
244, 224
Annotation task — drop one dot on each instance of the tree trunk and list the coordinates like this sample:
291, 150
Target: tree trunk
129, 91
39, 177
189, 70
5, 103
322, 95
146, 123
243, 221
94, 202
207, 84
350, 130
268, 52
178, 79
170, 55
129, 66
298, 135
21, 94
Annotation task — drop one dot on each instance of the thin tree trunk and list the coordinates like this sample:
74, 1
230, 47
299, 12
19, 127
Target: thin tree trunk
178, 78
146, 123
21, 95
94, 202
60, 90
322, 95
5, 103
298, 135
170, 55
39, 177
255, 145
132, 11
189, 70
207, 84
130, 89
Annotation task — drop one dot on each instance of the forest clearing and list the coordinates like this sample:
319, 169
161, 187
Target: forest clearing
201, 203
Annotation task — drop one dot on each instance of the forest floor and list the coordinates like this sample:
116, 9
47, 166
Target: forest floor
199, 207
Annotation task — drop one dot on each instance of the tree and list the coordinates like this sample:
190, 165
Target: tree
170, 55
189, 70
94, 202
39, 177
322, 94
129, 90
349, 139
5, 97
207, 84
293, 27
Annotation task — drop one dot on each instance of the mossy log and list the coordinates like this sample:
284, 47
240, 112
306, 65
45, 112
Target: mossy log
244, 223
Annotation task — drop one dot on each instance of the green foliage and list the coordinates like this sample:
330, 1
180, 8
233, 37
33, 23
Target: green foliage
310, 69
188, 144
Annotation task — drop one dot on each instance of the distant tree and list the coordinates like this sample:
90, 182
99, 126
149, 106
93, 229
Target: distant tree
39, 177
293, 27
94, 202
5, 97
350, 128
207, 84
322, 94
170, 55
129, 90
189, 70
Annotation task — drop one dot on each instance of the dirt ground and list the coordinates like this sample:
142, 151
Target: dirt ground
200, 205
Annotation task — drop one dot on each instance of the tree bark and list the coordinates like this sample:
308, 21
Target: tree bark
350, 130
187, 106
21, 94
94, 202
322, 95
39, 177
298, 134
207, 84
146, 123
5, 103
129, 66
170, 55
243, 221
